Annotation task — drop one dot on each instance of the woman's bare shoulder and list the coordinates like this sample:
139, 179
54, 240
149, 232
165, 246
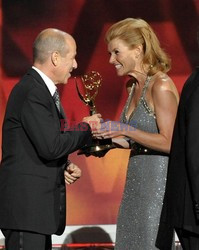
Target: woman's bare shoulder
163, 83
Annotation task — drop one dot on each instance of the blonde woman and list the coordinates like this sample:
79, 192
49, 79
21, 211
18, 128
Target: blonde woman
146, 126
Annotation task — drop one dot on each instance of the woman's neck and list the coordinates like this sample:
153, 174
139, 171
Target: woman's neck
139, 76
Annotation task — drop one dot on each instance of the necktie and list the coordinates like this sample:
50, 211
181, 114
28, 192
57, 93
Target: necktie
56, 99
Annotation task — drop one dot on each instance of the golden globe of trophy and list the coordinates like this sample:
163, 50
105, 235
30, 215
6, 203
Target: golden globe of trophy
91, 84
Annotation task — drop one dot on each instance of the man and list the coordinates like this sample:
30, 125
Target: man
34, 158
181, 203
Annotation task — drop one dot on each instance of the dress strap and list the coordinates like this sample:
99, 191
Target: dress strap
126, 107
143, 99
146, 84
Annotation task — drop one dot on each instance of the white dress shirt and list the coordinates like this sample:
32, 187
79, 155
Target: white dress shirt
49, 83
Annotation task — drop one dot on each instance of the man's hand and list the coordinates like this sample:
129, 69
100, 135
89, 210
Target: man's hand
72, 173
94, 121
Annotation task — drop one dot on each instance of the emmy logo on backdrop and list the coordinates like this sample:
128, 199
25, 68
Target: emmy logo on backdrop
92, 81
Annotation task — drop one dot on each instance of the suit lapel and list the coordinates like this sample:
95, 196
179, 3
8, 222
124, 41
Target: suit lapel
62, 113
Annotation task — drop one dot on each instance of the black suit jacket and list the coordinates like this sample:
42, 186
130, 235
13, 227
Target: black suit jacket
180, 208
32, 187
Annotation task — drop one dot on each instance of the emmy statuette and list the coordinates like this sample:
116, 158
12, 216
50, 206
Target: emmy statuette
92, 82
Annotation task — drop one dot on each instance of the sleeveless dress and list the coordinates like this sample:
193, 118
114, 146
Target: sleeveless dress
141, 205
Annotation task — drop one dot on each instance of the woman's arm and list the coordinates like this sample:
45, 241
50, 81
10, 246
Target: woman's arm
165, 102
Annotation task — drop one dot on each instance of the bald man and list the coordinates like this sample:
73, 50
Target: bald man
35, 167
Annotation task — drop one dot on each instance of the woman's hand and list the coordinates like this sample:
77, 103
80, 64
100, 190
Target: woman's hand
111, 129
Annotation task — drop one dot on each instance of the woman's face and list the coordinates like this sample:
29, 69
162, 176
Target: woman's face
124, 59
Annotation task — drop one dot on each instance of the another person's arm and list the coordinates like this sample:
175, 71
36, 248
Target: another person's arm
192, 146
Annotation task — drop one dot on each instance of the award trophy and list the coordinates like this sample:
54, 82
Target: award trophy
92, 82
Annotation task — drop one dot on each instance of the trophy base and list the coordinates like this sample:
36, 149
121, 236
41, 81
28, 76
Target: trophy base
98, 146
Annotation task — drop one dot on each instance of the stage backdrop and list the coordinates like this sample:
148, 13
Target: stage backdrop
95, 198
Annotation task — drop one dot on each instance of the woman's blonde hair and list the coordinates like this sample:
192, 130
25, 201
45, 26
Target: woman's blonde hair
138, 32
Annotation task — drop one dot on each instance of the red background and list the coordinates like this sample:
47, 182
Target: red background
95, 198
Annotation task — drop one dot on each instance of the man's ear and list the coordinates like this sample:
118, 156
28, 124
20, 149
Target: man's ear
55, 58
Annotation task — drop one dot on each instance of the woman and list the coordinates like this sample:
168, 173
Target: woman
146, 127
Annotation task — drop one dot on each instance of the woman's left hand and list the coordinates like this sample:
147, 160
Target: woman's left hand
110, 129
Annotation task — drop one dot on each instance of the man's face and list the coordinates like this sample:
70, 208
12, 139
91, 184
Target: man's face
67, 62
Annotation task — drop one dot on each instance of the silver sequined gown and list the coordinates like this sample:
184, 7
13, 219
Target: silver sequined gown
141, 204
